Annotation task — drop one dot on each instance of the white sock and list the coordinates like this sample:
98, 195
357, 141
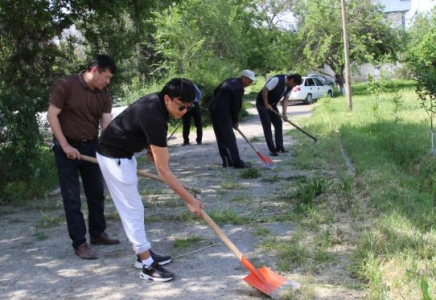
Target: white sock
147, 262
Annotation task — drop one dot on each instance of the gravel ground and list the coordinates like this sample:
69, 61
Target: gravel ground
37, 261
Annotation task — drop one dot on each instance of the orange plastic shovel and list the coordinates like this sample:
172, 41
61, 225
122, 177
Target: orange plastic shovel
265, 160
263, 279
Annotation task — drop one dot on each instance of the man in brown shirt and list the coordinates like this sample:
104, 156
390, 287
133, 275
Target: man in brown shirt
77, 105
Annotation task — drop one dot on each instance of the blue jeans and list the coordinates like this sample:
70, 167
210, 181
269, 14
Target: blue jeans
92, 179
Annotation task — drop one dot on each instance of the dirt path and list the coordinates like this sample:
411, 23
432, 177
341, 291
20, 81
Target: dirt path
37, 262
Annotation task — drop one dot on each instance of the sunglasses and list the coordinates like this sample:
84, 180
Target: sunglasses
188, 107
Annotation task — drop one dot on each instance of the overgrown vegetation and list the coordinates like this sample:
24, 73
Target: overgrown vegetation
391, 197
206, 41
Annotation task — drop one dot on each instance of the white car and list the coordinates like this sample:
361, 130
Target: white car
323, 79
310, 89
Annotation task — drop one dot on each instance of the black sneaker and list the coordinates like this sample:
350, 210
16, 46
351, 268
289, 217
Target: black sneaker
273, 153
156, 273
161, 260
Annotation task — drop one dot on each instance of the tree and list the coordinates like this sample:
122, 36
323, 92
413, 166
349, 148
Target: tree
196, 30
421, 59
29, 63
273, 36
371, 39
205, 41
32, 59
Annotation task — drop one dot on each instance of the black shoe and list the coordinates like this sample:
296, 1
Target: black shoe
282, 150
185, 144
273, 153
241, 165
156, 273
199, 142
161, 260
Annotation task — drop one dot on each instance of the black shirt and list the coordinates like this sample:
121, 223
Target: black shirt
143, 123
227, 102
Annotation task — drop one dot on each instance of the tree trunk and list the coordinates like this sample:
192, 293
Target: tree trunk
339, 78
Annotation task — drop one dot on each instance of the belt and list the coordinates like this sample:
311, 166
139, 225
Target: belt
84, 142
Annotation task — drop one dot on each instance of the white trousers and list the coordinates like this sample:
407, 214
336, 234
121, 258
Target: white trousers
122, 182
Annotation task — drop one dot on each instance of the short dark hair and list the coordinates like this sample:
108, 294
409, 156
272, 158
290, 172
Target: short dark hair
103, 62
179, 87
296, 77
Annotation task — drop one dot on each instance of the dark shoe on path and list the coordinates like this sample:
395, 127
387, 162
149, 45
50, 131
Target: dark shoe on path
161, 260
185, 144
156, 273
273, 153
241, 165
83, 251
282, 150
104, 239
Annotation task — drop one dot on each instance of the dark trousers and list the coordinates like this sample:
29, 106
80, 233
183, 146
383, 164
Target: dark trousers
92, 179
267, 118
226, 139
195, 113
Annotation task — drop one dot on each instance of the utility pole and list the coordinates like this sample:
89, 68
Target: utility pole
347, 57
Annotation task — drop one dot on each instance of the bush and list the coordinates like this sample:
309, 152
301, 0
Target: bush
40, 179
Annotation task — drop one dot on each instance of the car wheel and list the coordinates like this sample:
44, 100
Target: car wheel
309, 99
330, 93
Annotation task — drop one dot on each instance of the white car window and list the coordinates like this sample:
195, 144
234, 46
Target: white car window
318, 82
309, 82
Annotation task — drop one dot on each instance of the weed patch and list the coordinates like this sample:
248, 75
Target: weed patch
50, 221
184, 243
250, 173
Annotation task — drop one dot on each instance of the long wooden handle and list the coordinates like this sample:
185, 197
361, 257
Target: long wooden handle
246, 139
221, 235
141, 173
298, 127
175, 129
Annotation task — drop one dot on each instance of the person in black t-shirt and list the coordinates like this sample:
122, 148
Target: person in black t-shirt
144, 124
276, 88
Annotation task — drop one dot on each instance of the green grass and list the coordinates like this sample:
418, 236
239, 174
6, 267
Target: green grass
184, 243
48, 220
228, 216
297, 251
40, 236
250, 173
391, 198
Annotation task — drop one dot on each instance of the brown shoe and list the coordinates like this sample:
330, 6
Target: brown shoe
85, 252
104, 239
